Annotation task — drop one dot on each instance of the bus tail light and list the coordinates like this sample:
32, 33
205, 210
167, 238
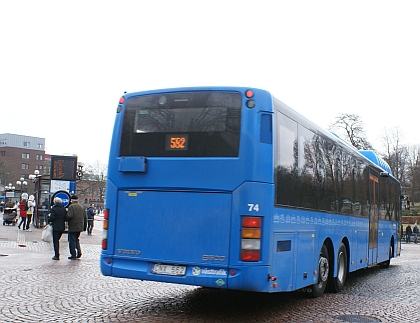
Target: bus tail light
251, 238
105, 230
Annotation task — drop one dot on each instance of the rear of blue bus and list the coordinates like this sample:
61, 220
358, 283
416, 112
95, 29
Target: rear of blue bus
190, 188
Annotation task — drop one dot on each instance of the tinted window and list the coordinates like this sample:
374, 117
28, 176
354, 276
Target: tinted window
202, 124
287, 162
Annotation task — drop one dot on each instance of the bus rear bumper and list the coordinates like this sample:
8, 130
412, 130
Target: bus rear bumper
250, 278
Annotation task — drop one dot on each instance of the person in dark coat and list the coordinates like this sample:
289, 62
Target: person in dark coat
90, 212
416, 233
57, 219
77, 221
408, 233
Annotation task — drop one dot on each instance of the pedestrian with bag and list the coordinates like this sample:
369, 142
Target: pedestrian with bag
30, 212
77, 222
57, 219
90, 212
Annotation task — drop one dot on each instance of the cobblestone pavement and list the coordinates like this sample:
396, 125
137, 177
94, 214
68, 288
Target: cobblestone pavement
35, 288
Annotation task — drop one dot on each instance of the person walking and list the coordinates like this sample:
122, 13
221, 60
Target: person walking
30, 212
23, 207
57, 219
77, 222
416, 233
90, 212
408, 233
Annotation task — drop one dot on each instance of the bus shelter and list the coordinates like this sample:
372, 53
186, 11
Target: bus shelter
43, 200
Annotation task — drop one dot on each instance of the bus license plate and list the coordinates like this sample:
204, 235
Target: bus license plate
168, 270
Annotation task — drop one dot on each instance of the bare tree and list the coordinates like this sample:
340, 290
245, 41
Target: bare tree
395, 154
413, 171
351, 128
92, 184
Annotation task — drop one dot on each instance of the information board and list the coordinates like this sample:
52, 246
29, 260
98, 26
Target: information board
63, 168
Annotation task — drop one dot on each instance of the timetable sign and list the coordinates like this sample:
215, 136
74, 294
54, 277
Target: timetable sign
63, 168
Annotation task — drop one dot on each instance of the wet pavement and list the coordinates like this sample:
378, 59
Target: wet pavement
35, 288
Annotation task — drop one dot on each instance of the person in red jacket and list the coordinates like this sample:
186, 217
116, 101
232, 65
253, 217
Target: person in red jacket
22, 213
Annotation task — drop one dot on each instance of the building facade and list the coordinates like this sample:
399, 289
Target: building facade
20, 156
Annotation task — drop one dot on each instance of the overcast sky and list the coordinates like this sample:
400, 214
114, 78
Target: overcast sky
65, 64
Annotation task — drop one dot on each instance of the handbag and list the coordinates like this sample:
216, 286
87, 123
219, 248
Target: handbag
47, 233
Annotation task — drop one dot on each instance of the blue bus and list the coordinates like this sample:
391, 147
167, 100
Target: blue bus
229, 188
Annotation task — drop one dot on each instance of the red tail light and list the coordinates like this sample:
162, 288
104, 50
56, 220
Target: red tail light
250, 255
251, 222
105, 230
251, 238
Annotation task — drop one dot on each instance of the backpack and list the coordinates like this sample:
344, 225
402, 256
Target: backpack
26, 207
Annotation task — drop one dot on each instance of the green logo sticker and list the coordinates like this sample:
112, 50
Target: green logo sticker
220, 282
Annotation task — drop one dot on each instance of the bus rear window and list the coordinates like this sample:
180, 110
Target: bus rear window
197, 124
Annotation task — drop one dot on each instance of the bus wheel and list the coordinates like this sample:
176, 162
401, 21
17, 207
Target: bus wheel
386, 264
337, 283
323, 270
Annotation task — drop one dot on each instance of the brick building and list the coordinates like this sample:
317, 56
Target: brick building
20, 156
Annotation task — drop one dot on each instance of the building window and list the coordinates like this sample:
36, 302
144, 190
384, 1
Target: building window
40, 146
2, 153
26, 144
39, 157
25, 156
3, 142
25, 166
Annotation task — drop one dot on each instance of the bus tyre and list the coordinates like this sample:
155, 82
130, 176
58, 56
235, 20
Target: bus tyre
323, 270
336, 284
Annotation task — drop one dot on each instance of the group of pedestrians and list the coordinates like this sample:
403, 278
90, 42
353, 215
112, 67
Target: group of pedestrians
410, 231
26, 211
76, 218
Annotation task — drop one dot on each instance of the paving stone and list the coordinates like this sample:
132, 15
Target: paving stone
35, 288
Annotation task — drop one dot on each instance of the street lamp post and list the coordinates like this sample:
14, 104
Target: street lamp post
21, 182
33, 176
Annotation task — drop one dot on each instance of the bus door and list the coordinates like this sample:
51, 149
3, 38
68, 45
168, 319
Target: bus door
373, 216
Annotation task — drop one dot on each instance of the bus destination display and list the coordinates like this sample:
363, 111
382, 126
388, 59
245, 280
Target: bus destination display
176, 142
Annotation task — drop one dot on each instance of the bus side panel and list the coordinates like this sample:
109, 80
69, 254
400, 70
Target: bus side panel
361, 254
284, 259
251, 199
386, 231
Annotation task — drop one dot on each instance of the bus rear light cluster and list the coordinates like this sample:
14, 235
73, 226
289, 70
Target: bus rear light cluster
250, 103
251, 238
105, 230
